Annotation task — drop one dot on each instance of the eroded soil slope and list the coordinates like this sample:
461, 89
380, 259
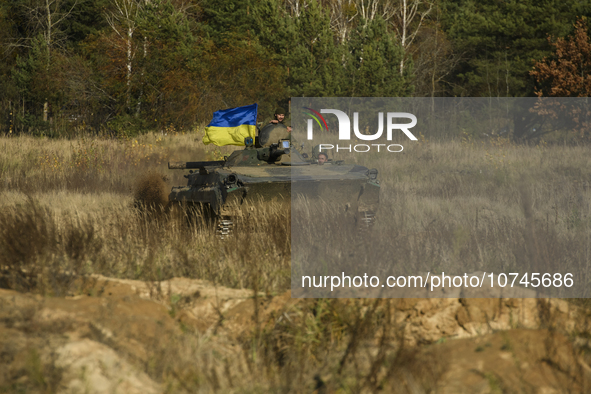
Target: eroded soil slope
125, 336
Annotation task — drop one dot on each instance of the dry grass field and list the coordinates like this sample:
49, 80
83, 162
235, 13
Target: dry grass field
69, 205
471, 206
68, 209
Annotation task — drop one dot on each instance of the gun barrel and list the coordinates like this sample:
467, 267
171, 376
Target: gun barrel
275, 154
185, 165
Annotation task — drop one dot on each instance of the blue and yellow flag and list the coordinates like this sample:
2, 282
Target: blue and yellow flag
232, 126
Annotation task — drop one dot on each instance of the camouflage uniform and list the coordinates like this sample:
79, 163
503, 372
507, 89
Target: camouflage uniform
270, 134
278, 111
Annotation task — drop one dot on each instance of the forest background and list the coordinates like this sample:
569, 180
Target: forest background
124, 67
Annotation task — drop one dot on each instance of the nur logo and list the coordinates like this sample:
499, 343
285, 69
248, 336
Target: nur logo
392, 124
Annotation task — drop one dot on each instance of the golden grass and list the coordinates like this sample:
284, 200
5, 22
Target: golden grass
471, 206
452, 206
67, 208
87, 186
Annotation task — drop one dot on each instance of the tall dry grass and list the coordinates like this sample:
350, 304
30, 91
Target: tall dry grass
467, 206
67, 209
78, 206
456, 207
94, 165
44, 251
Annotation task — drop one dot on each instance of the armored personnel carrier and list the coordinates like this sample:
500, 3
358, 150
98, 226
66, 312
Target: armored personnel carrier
268, 169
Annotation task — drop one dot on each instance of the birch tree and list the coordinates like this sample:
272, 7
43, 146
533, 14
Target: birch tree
296, 7
408, 20
434, 59
124, 22
342, 15
369, 10
406, 17
373, 62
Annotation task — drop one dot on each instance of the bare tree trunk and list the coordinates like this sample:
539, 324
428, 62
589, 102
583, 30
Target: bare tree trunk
128, 66
403, 38
408, 10
433, 74
49, 25
507, 73
45, 16
341, 16
295, 7
139, 101
370, 9
11, 117
48, 39
123, 23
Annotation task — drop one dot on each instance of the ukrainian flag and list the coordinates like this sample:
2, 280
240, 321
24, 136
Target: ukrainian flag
232, 126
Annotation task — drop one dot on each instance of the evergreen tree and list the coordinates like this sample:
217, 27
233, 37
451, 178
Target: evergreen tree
500, 41
374, 57
9, 99
166, 46
35, 78
273, 27
87, 18
314, 60
226, 20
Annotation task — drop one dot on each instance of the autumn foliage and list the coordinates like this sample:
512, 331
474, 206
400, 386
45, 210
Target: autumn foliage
124, 67
568, 72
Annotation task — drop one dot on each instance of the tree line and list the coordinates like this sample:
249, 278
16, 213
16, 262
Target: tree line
126, 66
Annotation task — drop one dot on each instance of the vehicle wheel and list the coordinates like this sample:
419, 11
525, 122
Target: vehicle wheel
224, 226
365, 220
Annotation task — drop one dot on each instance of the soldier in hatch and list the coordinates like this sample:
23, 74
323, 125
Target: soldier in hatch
276, 129
279, 115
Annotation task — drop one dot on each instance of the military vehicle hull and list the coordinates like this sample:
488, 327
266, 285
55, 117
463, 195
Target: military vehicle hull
334, 184
252, 176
